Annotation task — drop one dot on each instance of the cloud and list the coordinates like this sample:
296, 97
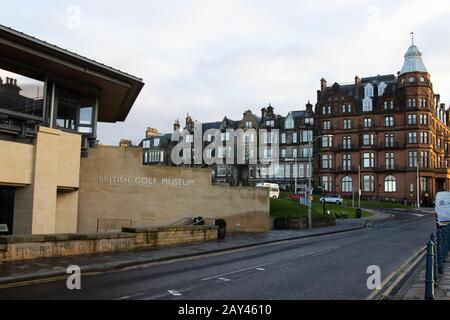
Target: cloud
217, 58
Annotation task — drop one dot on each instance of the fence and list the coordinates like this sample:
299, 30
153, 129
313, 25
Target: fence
437, 252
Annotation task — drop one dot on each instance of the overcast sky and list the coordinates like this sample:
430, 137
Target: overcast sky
214, 58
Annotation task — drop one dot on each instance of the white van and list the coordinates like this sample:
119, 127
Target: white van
442, 208
274, 189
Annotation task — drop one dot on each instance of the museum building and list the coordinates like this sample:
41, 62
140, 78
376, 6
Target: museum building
52, 169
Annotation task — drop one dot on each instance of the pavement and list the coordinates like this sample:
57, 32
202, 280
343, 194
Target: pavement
415, 288
326, 263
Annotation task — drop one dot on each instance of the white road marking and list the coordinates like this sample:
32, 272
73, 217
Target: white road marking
224, 279
260, 269
174, 293
236, 271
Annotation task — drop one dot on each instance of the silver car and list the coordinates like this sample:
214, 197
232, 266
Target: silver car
332, 198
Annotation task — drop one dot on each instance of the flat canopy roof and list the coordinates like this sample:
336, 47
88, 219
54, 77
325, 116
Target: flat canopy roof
117, 90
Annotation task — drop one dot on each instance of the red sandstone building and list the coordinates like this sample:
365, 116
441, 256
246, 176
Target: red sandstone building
388, 126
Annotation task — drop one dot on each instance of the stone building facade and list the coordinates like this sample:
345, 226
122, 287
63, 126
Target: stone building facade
294, 133
393, 129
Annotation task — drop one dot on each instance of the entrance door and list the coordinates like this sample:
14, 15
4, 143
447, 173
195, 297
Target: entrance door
7, 208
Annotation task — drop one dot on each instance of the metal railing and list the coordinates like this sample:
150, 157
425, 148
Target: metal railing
437, 255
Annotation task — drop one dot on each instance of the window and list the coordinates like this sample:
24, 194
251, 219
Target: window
307, 152
390, 160
294, 153
307, 136
390, 184
367, 105
389, 105
346, 162
412, 159
425, 156
347, 124
325, 110
346, 142
283, 138
367, 122
283, 153
412, 137
389, 140
248, 125
423, 137
221, 171
347, 184
270, 123
289, 123
146, 144
412, 119
327, 125
368, 160
86, 123
381, 88
327, 183
423, 119
327, 141
368, 139
368, 90
424, 184
19, 93
294, 137
368, 183
389, 121
346, 108
327, 161
423, 103
310, 120
412, 103
156, 142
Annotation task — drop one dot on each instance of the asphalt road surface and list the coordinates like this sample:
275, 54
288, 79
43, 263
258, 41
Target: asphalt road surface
326, 267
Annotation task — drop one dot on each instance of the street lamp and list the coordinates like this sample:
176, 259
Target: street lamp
419, 163
310, 154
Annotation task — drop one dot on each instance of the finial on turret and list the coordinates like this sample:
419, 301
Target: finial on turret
412, 37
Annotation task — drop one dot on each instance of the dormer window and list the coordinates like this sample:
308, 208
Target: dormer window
368, 90
309, 120
248, 125
289, 123
156, 142
381, 89
270, 123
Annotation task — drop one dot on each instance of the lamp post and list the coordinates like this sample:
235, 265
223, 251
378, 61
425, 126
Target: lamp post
310, 155
419, 163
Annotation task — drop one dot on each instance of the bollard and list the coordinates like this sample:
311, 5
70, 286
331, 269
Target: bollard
439, 251
435, 258
429, 281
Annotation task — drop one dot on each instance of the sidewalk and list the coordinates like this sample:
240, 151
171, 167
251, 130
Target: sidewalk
18, 271
416, 287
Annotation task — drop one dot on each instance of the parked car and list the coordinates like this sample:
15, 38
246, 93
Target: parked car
274, 189
295, 197
332, 198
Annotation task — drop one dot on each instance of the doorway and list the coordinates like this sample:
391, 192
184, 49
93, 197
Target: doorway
7, 209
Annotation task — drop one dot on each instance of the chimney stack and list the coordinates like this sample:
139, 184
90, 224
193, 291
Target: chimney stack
357, 80
176, 125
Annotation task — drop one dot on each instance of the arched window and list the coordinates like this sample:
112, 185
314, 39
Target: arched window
390, 184
347, 184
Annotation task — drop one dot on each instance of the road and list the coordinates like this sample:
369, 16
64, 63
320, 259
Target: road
326, 267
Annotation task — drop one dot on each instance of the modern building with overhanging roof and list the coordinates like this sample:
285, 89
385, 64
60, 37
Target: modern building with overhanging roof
50, 103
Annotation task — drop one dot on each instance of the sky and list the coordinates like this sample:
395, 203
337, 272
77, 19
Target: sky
217, 58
